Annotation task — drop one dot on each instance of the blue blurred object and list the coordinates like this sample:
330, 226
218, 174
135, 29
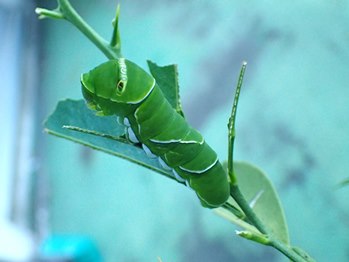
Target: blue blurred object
69, 248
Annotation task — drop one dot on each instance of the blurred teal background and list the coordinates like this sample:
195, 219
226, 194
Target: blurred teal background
293, 122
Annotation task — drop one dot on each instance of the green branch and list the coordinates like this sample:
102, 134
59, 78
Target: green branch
115, 40
231, 126
264, 236
268, 238
244, 205
67, 12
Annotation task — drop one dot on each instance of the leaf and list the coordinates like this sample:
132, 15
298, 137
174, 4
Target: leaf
74, 113
256, 187
259, 191
167, 79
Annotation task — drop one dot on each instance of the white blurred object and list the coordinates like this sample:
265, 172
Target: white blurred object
16, 244
18, 52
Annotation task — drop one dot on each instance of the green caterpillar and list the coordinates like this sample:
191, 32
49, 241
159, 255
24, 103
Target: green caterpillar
120, 87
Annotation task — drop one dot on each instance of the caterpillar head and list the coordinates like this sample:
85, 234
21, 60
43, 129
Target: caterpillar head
116, 87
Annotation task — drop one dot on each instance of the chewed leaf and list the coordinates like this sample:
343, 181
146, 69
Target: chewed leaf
72, 120
167, 79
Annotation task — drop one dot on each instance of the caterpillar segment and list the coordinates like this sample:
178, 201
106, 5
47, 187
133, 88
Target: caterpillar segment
120, 87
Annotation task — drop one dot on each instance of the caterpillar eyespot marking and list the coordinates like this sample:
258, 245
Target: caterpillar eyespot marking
120, 86
153, 122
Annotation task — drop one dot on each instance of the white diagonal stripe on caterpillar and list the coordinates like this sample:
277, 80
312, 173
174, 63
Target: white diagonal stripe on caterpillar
199, 171
143, 98
181, 141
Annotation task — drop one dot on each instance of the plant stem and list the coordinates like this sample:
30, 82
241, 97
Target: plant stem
115, 40
237, 194
286, 250
231, 126
251, 215
73, 17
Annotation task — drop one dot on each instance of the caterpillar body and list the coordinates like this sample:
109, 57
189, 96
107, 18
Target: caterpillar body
120, 87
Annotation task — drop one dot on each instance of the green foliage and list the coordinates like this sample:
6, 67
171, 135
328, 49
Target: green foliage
72, 120
167, 79
262, 198
259, 191
256, 206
